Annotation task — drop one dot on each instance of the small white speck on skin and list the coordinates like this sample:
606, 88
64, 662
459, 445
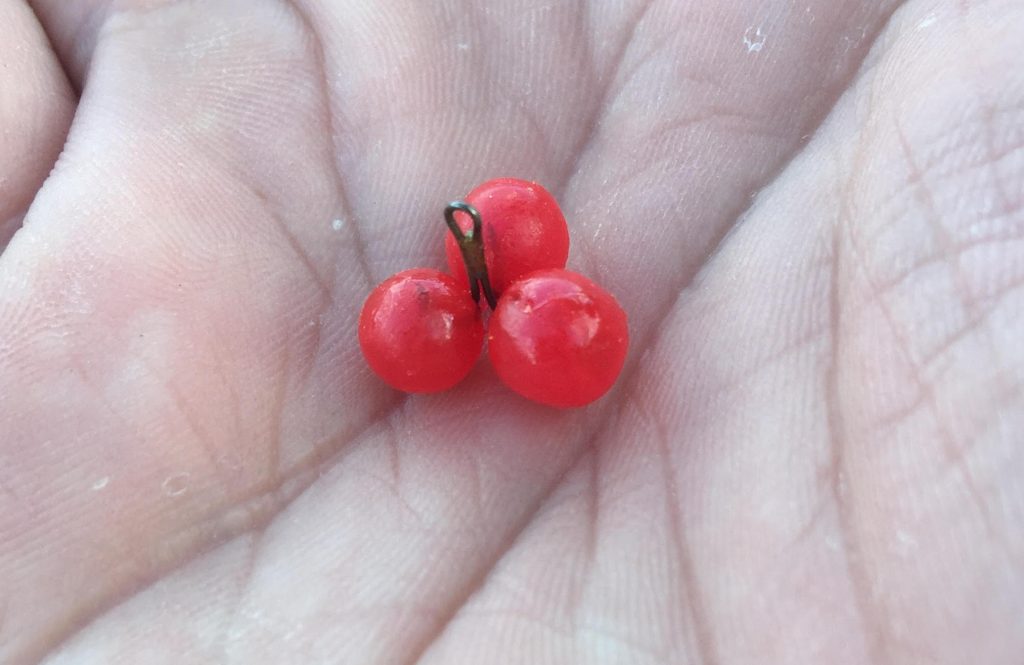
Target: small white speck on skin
754, 39
337, 224
100, 483
463, 46
905, 539
176, 485
927, 22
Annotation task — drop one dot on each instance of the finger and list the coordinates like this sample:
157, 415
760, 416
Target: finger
35, 111
178, 314
931, 320
72, 28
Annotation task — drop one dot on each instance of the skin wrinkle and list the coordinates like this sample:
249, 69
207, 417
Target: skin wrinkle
870, 615
199, 432
479, 580
1008, 289
955, 453
900, 415
395, 467
246, 578
604, 96
996, 155
221, 372
927, 396
824, 475
526, 617
592, 125
1003, 400
988, 113
705, 638
72, 85
394, 456
422, 523
959, 141
628, 378
324, 286
85, 377
307, 361
860, 73
634, 645
741, 215
696, 605
711, 117
788, 350
478, 484
84, 37
303, 256
886, 287
46, 122
330, 125
860, 583
741, 123
584, 29
593, 522
9, 228
332, 451
535, 124
690, 75
276, 441
975, 322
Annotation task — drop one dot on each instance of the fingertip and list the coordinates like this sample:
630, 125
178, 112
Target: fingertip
35, 113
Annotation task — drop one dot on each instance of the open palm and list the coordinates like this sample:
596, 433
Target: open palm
812, 213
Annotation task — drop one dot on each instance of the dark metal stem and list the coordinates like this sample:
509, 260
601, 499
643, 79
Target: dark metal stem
472, 247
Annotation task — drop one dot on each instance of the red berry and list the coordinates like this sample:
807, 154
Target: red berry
524, 230
558, 338
420, 331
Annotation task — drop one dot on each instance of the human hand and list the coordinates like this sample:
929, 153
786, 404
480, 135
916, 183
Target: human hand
812, 214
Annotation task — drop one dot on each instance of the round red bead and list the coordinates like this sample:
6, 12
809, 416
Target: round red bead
558, 338
523, 228
420, 331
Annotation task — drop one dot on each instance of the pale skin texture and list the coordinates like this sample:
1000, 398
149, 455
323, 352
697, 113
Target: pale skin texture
812, 213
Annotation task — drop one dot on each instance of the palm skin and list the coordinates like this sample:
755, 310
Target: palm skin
812, 214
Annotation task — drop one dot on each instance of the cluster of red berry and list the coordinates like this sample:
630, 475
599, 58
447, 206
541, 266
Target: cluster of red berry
554, 336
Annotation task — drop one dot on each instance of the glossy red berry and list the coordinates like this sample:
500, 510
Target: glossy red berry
558, 338
420, 331
523, 228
